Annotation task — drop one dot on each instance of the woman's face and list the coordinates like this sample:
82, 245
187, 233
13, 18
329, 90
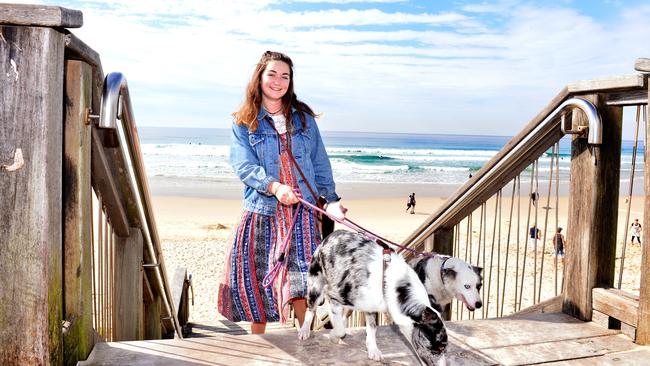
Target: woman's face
275, 80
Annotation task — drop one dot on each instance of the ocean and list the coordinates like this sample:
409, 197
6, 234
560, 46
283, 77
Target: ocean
356, 157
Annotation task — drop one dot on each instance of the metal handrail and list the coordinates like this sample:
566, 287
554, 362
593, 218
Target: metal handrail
512, 158
116, 104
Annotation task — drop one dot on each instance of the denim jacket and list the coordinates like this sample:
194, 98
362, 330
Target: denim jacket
254, 156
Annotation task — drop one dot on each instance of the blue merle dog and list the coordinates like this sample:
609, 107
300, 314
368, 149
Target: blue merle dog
348, 270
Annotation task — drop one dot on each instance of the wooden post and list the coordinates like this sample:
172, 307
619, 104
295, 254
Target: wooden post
593, 212
31, 95
77, 258
128, 294
643, 326
443, 243
152, 322
428, 244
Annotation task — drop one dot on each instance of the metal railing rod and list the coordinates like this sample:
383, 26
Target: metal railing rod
511, 160
116, 102
629, 197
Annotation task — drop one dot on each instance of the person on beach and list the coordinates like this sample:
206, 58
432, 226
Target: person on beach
558, 243
533, 235
409, 202
278, 153
412, 203
636, 230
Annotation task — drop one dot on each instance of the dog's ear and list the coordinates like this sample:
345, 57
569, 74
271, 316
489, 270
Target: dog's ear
478, 270
449, 273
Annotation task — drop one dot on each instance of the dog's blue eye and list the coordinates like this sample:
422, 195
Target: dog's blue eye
467, 287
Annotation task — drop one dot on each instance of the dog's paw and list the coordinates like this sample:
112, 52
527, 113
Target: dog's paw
442, 361
303, 334
375, 355
337, 335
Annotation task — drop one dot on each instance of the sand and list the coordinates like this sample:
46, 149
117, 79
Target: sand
196, 230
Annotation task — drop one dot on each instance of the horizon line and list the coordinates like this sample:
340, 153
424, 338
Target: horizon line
340, 131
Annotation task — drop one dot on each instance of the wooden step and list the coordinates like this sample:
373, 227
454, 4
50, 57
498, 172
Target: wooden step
614, 308
527, 339
281, 347
219, 327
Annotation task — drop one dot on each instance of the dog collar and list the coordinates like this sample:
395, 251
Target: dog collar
442, 267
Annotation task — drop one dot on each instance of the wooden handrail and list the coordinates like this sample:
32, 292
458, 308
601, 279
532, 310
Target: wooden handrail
468, 197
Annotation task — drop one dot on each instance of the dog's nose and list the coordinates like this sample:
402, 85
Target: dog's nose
478, 304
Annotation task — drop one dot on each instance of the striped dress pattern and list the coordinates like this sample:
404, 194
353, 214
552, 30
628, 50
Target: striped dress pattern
255, 249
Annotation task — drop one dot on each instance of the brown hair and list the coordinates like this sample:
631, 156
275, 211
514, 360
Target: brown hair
247, 114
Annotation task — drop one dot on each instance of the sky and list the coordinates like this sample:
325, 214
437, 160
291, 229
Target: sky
455, 67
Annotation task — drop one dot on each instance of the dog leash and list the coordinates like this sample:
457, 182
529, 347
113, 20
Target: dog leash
360, 229
268, 279
270, 276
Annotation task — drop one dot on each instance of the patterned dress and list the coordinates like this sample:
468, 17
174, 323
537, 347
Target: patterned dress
255, 249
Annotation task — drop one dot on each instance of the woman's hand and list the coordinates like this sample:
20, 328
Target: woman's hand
284, 194
336, 209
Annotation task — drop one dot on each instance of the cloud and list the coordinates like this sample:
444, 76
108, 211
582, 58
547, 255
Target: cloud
346, 1
466, 68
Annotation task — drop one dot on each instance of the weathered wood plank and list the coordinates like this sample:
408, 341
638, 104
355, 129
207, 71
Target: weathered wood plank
533, 328
643, 326
224, 326
152, 322
180, 296
281, 348
147, 292
552, 305
632, 357
607, 84
128, 302
627, 98
30, 185
76, 49
566, 349
601, 319
617, 304
104, 183
539, 338
593, 212
124, 187
443, 243
40, 15
428, 245
77, 271
642, 64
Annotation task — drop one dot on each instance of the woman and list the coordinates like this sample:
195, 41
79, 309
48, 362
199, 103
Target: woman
273, 132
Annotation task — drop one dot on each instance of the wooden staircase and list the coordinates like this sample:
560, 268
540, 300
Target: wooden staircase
539, 336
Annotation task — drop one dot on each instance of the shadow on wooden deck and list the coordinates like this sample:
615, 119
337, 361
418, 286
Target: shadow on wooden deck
534, 338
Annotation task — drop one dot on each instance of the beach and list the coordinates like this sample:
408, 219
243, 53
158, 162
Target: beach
196, 230
197, 202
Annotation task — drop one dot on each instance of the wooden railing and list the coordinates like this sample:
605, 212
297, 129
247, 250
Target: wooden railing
79, 254
509, 187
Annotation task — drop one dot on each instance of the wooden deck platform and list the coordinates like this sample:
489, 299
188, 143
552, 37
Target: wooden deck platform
546, 338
